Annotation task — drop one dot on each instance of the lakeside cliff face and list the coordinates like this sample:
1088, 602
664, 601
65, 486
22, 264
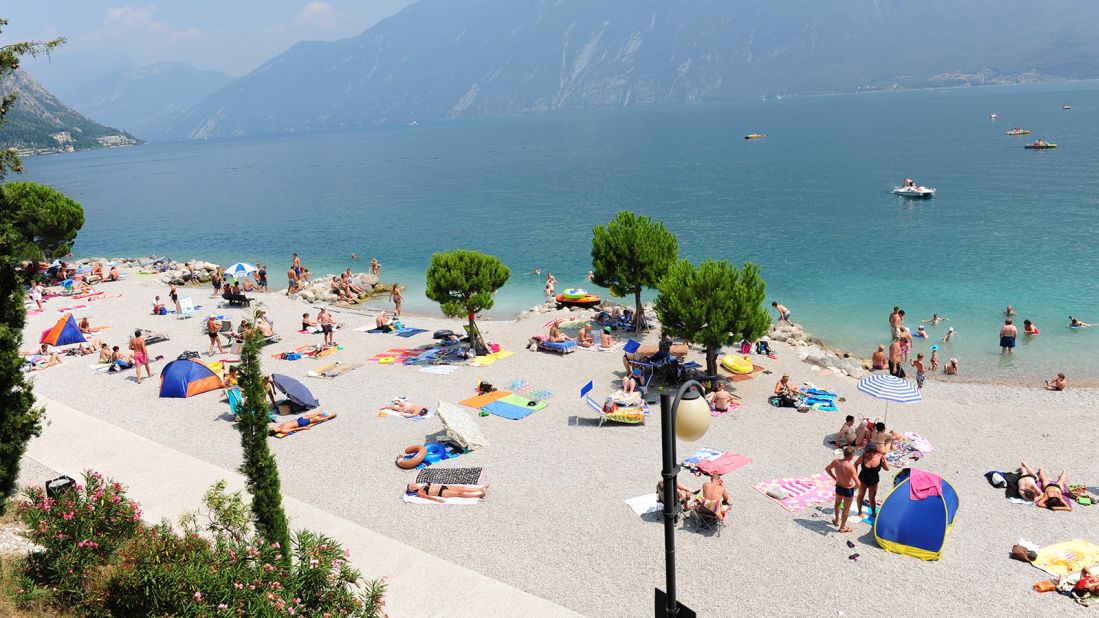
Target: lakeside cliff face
442, 59
40, 123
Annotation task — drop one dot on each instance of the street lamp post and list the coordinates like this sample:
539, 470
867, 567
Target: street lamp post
688, 416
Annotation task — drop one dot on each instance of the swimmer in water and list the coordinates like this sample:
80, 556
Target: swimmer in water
1009, 311
949, 334
935, 319
354, 256
1074, 323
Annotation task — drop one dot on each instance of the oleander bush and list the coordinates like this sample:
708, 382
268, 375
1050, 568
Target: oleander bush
98, 559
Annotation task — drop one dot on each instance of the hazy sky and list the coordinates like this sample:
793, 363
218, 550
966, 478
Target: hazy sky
234, 36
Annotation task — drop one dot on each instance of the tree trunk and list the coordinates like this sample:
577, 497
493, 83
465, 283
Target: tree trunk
711, 360
473, 342
638, 318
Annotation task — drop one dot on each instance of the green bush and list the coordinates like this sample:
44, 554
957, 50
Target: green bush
216, 565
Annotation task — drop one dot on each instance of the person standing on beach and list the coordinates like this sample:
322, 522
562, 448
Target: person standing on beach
375, 267
921, 370
173, 294
842, 472
871, 463
1007, 337
215, 283
894, 320
291, 281
783, 312
141, 355
261, 278
213, 326
325, 320
396, 297
934, 357
295, 263
36, 294
895, 357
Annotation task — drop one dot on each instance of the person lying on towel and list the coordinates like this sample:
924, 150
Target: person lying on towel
438, 493
406, 409
305, 420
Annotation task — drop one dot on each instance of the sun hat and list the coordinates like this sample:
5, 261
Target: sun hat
951, 329
935, 347
606, 329
213, 316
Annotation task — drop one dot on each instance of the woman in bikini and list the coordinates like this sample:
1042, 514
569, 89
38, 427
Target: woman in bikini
1028, 483
437, 493
1054, 495
870, 466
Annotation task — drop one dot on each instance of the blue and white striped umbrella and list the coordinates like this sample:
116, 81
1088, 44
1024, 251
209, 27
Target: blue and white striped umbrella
889, 388
240, 270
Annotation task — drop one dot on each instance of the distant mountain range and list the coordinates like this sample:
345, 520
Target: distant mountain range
458, 58
145, 100
39, 122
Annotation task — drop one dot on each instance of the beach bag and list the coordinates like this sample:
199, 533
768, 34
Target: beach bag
1045, 586
163, 311
775, 400
292, 356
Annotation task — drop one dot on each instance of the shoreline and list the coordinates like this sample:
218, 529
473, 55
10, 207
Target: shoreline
813, 350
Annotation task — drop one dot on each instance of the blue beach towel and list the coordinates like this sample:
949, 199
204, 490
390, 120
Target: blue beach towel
508, 410
408, 332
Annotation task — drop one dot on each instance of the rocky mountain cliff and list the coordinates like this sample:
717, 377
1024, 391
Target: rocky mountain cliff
39, 122
453, 58
148, 99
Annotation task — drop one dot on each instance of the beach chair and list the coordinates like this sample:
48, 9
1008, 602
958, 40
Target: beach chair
187, 308
150, 337
236, 403
619, 416
709, 516
237, 300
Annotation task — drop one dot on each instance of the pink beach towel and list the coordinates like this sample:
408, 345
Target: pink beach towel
803, 492
724, 464
923, 485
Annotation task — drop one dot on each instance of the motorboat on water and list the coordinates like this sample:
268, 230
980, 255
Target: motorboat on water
1066, 106
1040, 145
993, 116
914, 191
755, 136
1018, 131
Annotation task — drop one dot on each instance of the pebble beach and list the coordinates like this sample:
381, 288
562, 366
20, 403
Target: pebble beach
555, 522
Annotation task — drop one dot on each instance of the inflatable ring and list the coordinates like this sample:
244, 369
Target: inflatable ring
413, 456
435, 452
386, 360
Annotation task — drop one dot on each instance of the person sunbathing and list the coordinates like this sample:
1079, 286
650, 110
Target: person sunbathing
264, 328
81, 287
788, 392
97, 270
92, 348
406, 409
306, 323
720, 398
339, 289
114, 275
305, 420
585, 338
1058, 383
86, 327
682, 494
555, 333
438, 493
1028, 483
383, 320
42, 359
1054, 496
1088, 584
606, 340
714, 497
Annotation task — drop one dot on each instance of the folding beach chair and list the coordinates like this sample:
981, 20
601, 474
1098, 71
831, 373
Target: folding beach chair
706, 514
615, 417
187, 308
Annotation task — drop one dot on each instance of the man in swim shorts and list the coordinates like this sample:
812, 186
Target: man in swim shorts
895, 354
921, 370
141, 355
843, 472
783, 312
1008, 332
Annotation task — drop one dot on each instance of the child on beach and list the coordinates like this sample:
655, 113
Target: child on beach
934, 357
951, 367
921, 370
783, 312
1058, 383
842, 472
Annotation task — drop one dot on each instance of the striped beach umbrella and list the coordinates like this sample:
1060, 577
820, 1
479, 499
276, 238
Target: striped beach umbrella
240, 270
889, 388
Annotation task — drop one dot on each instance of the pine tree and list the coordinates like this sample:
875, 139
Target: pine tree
714, 304
464, 282
259, 465
631, 253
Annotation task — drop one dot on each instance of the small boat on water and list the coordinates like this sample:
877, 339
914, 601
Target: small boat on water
1018, 131
577, 298
992, 116
1066, 106
1040, 145
755, 136
910, 189
914, 192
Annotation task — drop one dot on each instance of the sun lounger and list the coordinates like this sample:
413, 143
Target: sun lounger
237, 300
151, 337
561, 347
626, 416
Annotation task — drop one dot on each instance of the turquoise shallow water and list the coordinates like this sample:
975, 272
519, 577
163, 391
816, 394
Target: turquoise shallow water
811, 203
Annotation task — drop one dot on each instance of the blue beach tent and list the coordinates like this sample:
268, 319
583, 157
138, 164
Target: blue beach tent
64, 332
912, 527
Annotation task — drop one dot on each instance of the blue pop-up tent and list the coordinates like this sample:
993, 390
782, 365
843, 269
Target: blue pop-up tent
64, 332
914, 527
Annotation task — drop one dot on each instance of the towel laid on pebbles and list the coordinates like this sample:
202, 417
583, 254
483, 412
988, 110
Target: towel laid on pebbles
645, 504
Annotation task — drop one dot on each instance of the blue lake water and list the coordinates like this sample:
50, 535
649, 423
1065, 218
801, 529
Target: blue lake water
811, 203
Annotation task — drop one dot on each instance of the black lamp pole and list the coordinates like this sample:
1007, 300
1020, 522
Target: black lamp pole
670, 474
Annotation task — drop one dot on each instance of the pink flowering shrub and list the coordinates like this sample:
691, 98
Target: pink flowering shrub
100, 560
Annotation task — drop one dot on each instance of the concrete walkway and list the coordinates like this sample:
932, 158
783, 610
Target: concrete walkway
168, 483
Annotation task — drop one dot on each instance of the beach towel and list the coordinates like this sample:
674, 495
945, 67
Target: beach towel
486, 360
703, 454
450, 476
333, 370
481, 401
919, 442
430, 413
442, 370
645, 504
1067, 557
802, 492
528, 390
408, 332
561, 347
513, 407
714, 412
445, 501
724, 464
923, 485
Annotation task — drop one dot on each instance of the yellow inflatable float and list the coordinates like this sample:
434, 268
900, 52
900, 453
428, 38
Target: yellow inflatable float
737, 364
